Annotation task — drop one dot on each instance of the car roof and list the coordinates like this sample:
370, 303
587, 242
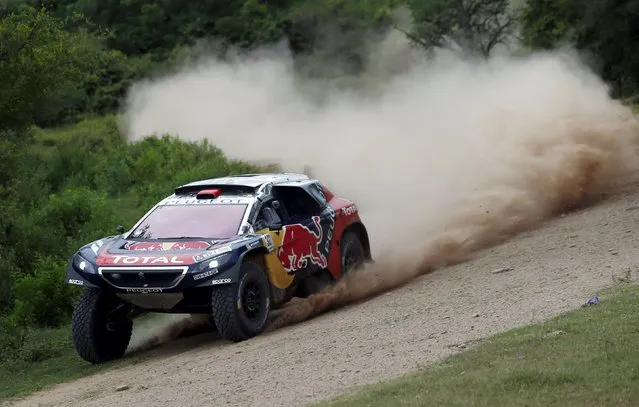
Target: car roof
249, 180
243, 184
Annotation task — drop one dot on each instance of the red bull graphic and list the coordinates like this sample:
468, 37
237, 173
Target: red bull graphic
167, 246
301, 244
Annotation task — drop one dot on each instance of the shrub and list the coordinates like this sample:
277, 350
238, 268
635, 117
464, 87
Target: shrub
43, 299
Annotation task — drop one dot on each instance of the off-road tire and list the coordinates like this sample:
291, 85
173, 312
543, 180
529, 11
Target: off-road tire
228, 304
352, 253
96, 338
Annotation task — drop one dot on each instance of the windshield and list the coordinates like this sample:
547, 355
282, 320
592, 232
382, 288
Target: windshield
196, 221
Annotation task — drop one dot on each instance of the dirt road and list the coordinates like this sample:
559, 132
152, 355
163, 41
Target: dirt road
554, 268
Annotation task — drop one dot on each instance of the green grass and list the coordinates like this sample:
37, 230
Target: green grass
586, 357
48, 358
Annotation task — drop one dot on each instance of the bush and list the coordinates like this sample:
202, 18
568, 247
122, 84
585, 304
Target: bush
12, 336
43, 299
20, 345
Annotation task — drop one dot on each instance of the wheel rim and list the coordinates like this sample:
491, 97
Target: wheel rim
252, 300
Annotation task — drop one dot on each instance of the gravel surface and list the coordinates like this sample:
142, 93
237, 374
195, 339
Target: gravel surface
532, 277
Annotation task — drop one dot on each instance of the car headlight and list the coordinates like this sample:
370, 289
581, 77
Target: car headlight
82, 264
219, 260
215, 262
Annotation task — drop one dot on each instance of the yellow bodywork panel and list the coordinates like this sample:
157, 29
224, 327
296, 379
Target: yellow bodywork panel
274, 270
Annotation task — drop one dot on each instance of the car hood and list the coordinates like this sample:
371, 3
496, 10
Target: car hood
164, 252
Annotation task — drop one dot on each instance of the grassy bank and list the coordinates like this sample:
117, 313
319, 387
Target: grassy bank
586, 357
46, 358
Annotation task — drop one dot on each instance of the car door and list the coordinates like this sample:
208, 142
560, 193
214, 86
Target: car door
306, 231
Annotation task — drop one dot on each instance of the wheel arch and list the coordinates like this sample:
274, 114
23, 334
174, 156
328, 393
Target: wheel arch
277, 276
257, 255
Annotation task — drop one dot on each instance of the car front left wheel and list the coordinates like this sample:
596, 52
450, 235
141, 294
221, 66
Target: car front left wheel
241, 310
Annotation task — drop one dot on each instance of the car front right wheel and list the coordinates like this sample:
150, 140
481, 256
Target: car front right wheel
99, 332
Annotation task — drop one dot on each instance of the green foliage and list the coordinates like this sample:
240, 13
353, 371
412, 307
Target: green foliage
40, 64
603, 29
140, 27
546, 23
43, 299
333, 38
473, 26
254, 23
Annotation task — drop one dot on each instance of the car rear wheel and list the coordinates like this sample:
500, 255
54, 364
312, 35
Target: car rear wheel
352, 251
241, 310
100, 330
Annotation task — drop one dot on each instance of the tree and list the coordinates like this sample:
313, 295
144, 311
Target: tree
604, 30
38, 62
332, 37
473, 27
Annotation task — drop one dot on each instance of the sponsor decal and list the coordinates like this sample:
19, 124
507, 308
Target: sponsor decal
76, 282
147, 260
211, 253
204, 275
349, 210
221, 281
331, 228
95, 247
194, 201
267, 241
300, 244
164, 246
144, 290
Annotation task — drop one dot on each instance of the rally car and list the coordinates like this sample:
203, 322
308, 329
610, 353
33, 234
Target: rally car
234, 248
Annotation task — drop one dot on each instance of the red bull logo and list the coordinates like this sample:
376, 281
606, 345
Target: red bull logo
168, 246
299, 245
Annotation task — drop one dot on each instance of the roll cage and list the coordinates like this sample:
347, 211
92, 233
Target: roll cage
278, 204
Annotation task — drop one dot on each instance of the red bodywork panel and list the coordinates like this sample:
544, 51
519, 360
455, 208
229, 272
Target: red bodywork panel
346, 213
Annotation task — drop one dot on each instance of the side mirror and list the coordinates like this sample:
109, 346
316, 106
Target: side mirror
119, 229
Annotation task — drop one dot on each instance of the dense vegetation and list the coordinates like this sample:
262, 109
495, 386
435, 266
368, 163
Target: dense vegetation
68, 176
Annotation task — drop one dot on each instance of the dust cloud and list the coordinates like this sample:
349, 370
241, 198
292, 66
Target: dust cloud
158, 329
444, 156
